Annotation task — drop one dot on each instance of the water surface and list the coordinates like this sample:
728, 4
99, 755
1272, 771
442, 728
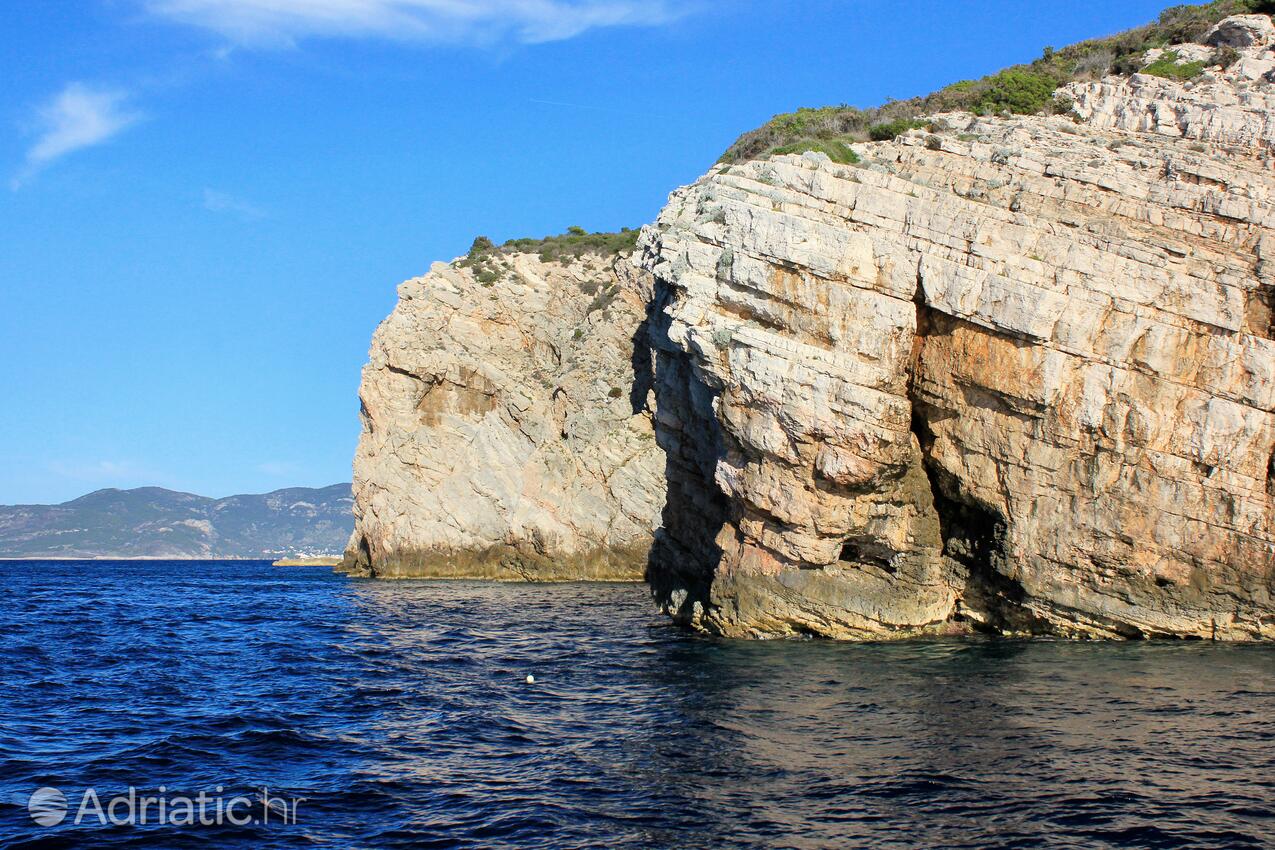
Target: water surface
399, 712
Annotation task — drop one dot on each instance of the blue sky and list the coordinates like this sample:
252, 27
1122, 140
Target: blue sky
207, 204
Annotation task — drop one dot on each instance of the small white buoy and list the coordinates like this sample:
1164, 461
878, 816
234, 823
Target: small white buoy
531, 680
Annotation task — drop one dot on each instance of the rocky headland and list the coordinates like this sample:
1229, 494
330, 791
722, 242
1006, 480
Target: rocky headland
507, 432
1006, 369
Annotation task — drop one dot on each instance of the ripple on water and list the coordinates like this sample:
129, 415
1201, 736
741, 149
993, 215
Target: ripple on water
400, 713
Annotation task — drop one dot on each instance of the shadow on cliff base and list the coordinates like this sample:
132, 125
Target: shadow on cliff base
684, 554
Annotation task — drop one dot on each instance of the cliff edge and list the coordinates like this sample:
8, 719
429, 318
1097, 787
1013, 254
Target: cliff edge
1012, 373
505, 433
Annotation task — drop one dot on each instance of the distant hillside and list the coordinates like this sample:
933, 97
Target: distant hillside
151, 522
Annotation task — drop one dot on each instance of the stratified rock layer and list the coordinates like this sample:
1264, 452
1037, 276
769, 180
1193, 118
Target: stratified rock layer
505, 433
1018, 375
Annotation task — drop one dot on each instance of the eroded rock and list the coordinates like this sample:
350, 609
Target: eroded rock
1018, 376
506, 427
1242, 31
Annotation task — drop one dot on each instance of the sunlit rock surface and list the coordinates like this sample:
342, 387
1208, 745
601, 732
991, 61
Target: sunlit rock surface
506, 431
1017, 375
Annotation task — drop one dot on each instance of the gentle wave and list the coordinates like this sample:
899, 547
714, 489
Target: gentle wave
399, 712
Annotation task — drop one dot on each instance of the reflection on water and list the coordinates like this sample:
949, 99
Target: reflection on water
400, 713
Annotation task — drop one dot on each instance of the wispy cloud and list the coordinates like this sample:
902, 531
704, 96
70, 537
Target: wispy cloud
222, 202
285, 22
79, 116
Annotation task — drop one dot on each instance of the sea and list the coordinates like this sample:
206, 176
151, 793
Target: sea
237, 704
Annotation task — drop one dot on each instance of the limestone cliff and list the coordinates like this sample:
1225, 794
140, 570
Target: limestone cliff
1013, 373
504, 432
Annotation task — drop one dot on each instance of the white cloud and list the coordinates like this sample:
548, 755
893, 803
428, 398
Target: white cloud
284, 22
78, 117
222, 202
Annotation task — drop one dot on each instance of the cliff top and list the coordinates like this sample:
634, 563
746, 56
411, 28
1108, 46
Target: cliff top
1022, 89
564, 248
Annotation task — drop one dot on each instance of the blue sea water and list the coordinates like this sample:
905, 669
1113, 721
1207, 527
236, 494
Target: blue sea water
398, 715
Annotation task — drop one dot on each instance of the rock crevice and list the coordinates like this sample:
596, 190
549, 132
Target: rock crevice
1016, 376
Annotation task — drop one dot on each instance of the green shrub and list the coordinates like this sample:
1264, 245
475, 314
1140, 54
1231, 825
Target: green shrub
603, 299
1018, 90
888, 130
615, 392
574, 244
482, 246
483, 260
836, 149
817, 123
1169, 67
1022, 89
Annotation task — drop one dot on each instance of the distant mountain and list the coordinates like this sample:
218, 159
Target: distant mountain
151, 522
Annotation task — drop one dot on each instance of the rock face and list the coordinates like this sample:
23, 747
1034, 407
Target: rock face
1018, 375
1242, 31
505, 432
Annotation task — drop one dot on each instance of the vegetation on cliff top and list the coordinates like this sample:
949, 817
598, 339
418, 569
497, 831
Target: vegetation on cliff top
565, 247
1170, 67
574, 244
1023, 89
485, 257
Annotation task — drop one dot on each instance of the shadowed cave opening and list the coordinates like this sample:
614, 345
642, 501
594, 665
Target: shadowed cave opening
1260, 311
363, 556
859, 552
1270, 474
973, 536
684, 555
642, 361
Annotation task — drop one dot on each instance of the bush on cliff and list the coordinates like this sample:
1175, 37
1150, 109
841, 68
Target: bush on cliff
485, 258
1169, 67
1022, 89
836, 149
574, 244
888, 130
1018, 90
